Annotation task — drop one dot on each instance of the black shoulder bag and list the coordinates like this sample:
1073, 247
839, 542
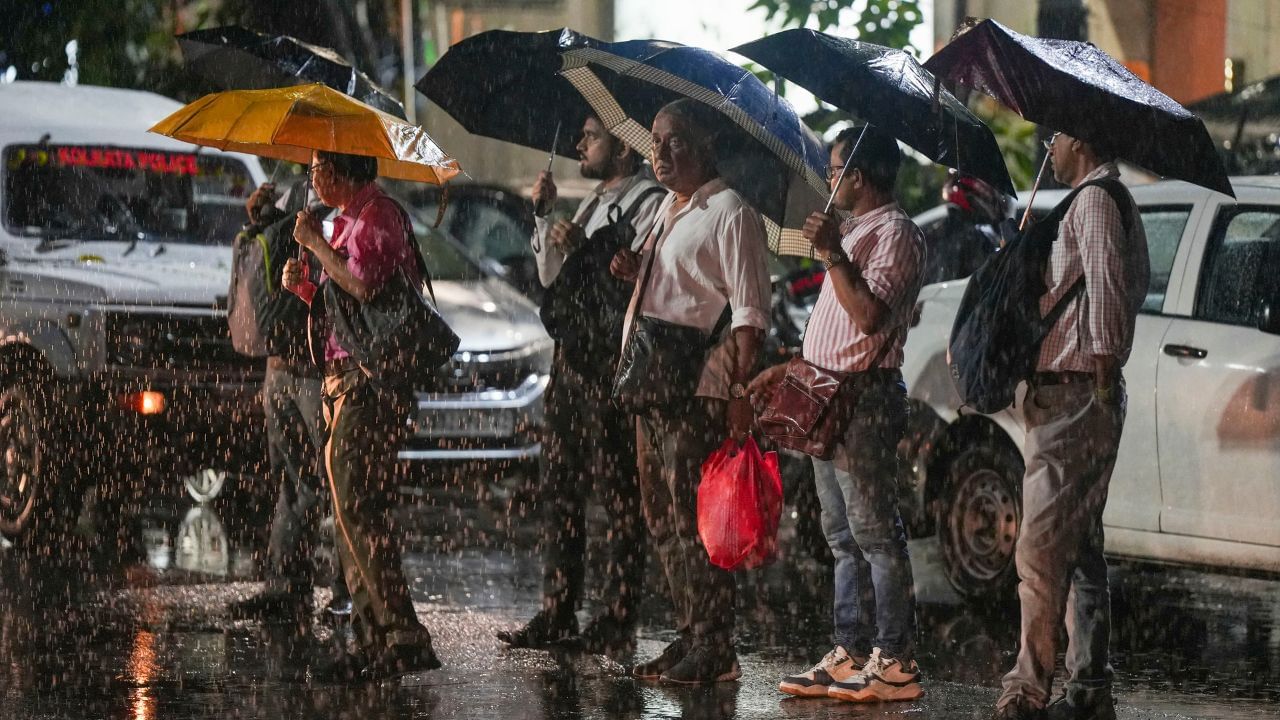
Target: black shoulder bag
397, 336
662, 362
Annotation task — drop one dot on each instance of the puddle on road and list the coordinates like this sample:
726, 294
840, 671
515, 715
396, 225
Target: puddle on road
88, 636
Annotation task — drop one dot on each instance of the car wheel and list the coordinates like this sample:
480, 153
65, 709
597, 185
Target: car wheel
978, 520
31, 482
205, 484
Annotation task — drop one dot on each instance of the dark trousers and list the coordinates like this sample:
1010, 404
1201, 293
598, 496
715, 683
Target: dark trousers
296, 437
590, 453
671, 446
366, 428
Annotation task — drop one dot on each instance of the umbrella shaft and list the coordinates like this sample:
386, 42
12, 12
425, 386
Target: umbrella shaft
844, 168
1039, 176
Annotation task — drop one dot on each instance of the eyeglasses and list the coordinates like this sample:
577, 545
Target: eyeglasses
311, 171
1048, 144
833, 171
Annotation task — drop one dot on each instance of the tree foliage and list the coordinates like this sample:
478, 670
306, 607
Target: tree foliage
883, 22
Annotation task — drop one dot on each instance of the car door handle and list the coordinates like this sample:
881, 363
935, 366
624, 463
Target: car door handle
1185, 351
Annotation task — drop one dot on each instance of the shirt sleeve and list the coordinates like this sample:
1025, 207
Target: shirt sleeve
745, 269
892, 269
549, 259
375, 244
1101, 245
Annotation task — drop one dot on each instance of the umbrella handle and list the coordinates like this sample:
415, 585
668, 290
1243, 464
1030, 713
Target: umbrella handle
844, 168
1039, 176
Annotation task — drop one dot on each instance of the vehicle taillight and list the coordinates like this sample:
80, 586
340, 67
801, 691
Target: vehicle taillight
147, 402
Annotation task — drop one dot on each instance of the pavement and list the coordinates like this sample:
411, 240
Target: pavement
91, 633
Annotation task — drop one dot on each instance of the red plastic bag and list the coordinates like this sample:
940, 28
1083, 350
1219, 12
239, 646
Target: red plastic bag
739, 505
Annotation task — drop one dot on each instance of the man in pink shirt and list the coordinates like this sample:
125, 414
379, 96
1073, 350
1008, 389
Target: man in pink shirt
366, 416
875, 262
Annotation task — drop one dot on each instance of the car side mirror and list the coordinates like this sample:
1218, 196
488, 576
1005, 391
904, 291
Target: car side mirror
1269, 316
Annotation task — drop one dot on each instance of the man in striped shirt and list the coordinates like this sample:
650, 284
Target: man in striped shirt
1074, 410
858, 326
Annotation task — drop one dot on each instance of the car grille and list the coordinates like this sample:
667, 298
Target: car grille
194, 342
506, 370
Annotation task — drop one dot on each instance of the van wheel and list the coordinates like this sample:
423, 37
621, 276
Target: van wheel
31, 481
978, 520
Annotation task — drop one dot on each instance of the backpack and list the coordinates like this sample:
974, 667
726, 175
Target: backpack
995, 340
584, 306
264, 318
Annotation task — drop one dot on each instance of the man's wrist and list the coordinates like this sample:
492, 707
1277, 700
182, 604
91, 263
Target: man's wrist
834, 257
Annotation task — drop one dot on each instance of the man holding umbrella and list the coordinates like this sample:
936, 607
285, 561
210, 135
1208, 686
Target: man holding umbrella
590, 444
859, 326
1075, 408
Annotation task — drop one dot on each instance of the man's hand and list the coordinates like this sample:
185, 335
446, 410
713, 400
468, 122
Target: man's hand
544, 189
294, 274
741, 416
823, 231
761, 389
259, 199
625, 265
566, 236
308, 232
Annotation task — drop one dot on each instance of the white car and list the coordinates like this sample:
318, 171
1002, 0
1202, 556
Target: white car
1197, 480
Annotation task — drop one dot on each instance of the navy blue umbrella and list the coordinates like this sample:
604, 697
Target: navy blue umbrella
763, 149
237, 58
890, 90
1080, 90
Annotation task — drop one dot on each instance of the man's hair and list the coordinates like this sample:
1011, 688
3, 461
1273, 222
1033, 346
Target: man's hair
703, 123
877, 156
634, 160
356, 168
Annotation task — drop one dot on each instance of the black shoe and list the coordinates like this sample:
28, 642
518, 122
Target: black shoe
1018, 708
1062, 709
543, 630
271, 607
705, 663
671, 655
400, 660
606, 635
332, 667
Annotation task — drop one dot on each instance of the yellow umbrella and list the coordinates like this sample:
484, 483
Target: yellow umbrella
288, 123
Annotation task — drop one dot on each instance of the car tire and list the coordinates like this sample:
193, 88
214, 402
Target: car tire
35, 487
978, 517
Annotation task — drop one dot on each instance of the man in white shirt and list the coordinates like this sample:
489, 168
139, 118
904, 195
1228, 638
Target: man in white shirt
706, 260
875, 263
589, 447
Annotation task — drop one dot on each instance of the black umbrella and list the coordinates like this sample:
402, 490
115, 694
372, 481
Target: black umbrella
506, 85
888, 89
1075, 88
239, 59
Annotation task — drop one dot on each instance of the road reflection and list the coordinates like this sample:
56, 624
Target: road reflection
153, 639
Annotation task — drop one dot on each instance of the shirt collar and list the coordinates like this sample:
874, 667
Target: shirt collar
853, 222
362, 198
1105, 170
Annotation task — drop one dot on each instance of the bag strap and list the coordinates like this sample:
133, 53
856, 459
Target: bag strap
412, 241
630, 215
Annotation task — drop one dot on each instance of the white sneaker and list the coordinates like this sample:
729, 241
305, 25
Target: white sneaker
881, 679
835, 665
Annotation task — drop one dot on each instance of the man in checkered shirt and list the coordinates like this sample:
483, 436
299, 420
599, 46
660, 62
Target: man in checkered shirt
1075, 409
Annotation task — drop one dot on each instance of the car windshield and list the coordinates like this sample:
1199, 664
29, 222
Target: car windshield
84, 192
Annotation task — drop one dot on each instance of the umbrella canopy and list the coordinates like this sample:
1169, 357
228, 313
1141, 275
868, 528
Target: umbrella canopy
240, 59
763, 149
1074, 87
890, 90
507, 85
288, 123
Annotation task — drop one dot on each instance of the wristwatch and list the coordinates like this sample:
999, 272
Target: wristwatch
834, 258
737, 391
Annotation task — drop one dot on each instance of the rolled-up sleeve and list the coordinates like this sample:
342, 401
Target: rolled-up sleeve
375, 243
892, 270
1099, 237
548, 258
745, 268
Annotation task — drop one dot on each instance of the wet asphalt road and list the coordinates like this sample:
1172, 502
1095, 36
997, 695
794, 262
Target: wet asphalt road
88, 633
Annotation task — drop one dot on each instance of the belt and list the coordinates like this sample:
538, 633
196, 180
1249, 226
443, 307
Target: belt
340, 365
1060, 378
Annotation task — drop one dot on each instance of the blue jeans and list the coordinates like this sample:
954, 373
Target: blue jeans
858, 490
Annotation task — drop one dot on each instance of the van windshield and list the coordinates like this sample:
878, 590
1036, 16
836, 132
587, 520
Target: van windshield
86, 192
